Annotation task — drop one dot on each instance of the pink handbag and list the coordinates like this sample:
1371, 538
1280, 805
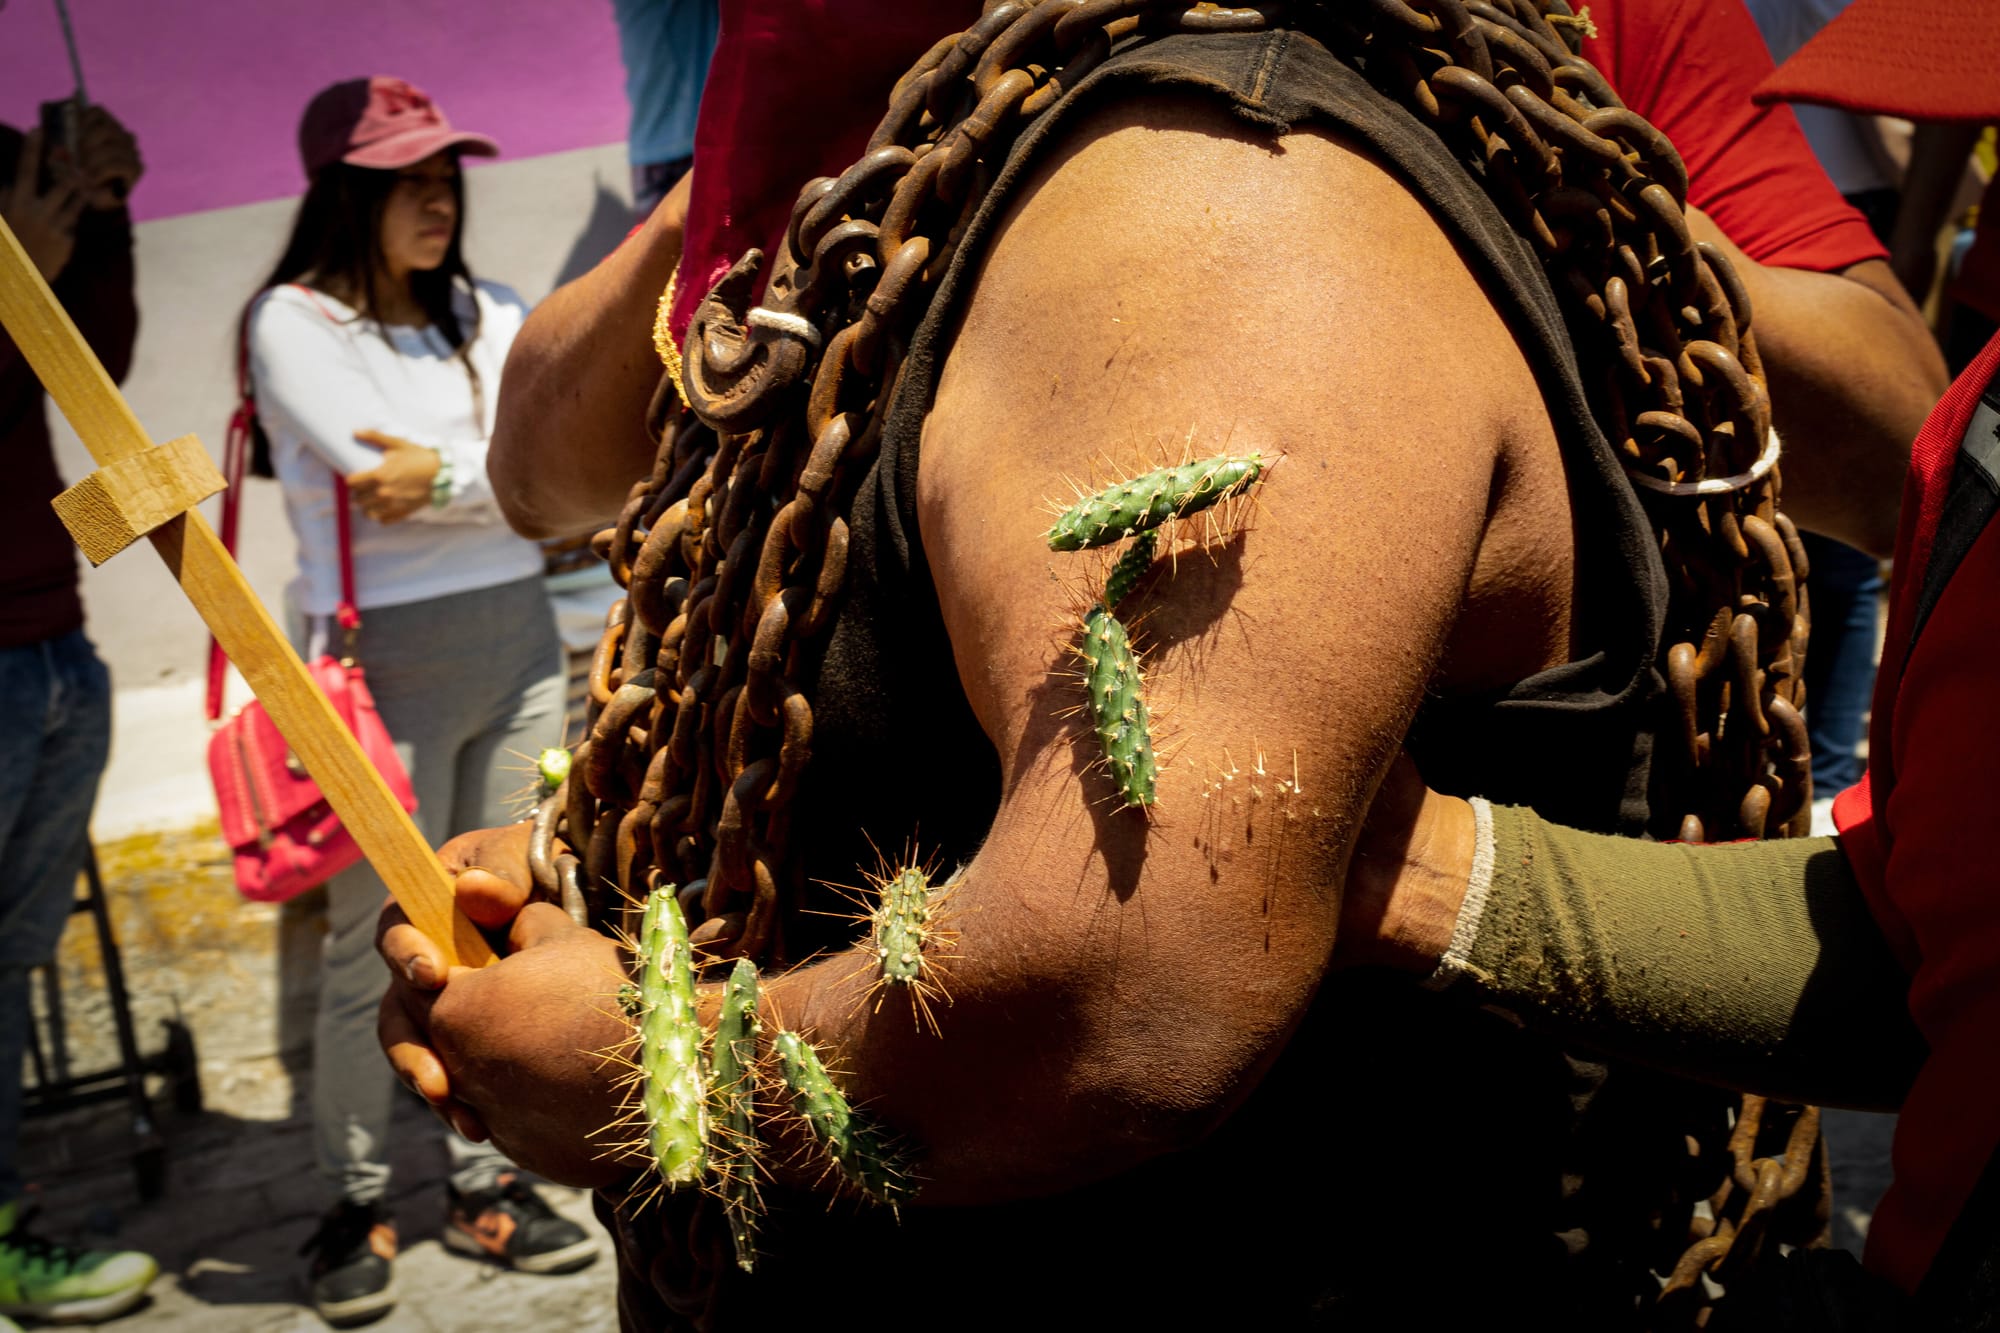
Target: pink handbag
285, 836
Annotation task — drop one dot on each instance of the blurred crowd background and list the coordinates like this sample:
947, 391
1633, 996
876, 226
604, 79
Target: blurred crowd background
218, 128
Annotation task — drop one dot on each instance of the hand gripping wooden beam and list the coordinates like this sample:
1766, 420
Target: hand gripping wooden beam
147, 490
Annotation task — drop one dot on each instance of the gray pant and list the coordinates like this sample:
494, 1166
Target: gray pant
471, 687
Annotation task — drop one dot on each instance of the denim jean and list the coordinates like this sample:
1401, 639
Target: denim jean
55, 734
1845, 588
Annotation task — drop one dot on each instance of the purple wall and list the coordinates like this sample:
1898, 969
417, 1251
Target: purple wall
213, 88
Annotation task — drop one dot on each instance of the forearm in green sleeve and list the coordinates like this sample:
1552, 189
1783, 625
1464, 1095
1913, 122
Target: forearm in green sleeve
1754, 965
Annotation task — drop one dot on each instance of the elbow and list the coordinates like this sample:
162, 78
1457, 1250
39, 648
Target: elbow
1024, 1129
509, 468
519, 455
1065, 1142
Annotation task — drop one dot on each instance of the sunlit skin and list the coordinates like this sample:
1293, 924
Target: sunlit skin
419, 219
1431, 553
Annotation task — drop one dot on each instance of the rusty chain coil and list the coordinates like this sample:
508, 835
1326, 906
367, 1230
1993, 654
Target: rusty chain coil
733, 551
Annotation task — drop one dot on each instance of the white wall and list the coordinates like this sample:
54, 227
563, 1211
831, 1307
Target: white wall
531, 223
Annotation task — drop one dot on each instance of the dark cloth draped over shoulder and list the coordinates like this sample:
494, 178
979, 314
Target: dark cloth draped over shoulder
1408, 1163
38, 597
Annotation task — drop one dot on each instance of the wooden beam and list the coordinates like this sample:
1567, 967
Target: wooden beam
86, 395
123, 501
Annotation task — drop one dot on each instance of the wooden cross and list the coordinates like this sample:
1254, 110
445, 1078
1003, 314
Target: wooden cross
146, 490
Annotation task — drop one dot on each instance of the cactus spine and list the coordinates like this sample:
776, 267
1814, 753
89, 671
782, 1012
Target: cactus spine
672, 1103
861, 1151
1117, 706
901, 926
1147, 501
733, 1078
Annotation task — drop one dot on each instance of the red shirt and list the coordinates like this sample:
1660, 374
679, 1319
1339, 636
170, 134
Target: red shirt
796, 87
1914, 829
794, 90
1688, 66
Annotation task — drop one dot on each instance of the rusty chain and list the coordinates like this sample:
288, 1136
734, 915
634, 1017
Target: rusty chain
733, 550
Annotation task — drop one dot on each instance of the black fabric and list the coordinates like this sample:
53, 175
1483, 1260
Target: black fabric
1408, 1163
1969, 504
38, 571
1961, 1291
1816, 1291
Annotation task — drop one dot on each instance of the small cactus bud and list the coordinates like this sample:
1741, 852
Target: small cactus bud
1148, 501
672, 1101
862, 1152
900, 926
1131, 567
552, 766
1118, 709
733, 1080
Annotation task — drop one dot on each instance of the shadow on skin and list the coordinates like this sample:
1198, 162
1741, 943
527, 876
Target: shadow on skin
1160, 626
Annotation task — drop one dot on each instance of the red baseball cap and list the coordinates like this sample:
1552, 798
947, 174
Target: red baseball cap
1921, 59
381, 122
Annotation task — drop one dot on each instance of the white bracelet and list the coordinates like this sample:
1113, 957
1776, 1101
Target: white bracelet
1457, 959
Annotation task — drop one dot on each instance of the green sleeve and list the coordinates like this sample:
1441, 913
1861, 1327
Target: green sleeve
1755, 965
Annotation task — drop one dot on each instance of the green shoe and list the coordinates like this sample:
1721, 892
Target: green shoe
52, 1281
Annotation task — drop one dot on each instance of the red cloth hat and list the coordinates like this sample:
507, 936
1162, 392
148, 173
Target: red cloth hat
1921, 59
381, 122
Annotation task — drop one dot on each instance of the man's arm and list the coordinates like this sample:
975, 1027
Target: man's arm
1121, 980
1753, 965
77, 231
1853, 372
570, 438
1938, 154
1852, 369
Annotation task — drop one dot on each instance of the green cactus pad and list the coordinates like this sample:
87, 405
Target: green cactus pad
1148, 501
733, 1079
672, 1102
861, 1151
1118, 705
1129, 569
901, 925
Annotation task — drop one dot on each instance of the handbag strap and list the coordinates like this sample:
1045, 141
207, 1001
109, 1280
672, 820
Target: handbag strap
347, 615
235, 460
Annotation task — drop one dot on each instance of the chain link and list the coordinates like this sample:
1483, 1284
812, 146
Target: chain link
733, 551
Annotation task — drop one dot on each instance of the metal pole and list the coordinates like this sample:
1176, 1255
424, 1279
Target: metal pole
75, 60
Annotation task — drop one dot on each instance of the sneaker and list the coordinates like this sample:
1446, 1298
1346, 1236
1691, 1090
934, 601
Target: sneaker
350, 1280
512, 1225
55, 1282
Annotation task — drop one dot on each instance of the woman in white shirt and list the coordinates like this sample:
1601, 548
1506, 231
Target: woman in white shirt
373, 356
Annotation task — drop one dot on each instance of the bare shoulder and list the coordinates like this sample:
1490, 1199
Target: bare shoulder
1172, 284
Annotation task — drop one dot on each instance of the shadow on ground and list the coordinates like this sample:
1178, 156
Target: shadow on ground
240, 1191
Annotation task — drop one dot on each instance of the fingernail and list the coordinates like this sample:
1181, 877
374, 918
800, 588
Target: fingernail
418, 972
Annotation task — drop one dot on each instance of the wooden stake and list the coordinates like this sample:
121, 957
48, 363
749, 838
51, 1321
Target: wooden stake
77, 382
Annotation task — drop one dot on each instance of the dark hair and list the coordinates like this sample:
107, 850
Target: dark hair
336, 246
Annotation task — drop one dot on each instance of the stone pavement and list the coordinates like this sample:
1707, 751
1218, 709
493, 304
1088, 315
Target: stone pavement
241, 1193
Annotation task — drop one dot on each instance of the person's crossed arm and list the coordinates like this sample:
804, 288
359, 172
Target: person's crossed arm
1121, 981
